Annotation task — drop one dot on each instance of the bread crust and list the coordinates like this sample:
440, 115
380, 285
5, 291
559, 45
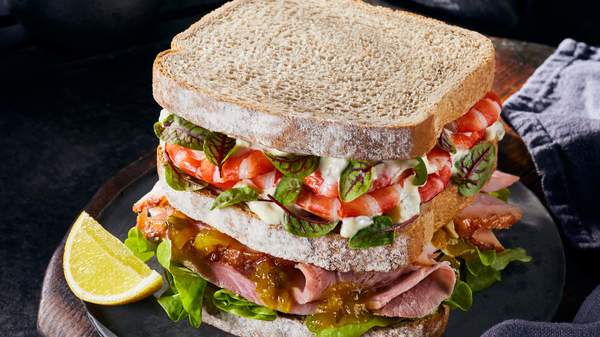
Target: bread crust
330, 252
276, 127
293, 326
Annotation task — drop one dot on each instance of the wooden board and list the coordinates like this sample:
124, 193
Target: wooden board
62, 315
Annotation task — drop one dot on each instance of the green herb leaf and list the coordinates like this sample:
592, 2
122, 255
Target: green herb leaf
294, 165
232, 303
306, 228
355, 179
218, 147
485, 277
445, 141
475, 168
234, 196
171, 304
509, 255
501, 194
176, 130
420, 172
177, 179
288, 189
462, 296
379, 233
348, 330
163, 254
185, 283
139, 245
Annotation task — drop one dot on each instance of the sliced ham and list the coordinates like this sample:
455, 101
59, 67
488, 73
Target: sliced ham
486, 239
395, 291
424, 297
486, 212
498, 181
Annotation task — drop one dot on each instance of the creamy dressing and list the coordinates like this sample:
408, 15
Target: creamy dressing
495, 131
331, 168
410, 202
351, 226
393, 168
163, 115
430, 168
267, 211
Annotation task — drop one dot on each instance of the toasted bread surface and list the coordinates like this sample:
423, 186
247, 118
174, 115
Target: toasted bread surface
330, 252
336, 78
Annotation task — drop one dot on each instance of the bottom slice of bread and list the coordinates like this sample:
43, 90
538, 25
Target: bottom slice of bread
433, 325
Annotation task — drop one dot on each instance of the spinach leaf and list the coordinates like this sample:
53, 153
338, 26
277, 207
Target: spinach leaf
218, 147
234, 196
355, 179
445, 141
420, 172
298, 166
139, 245
288, 189
237, 305
176, 130
305, 227
475, 168
379, 233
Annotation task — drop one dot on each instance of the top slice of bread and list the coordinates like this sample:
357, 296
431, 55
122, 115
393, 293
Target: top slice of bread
336, 78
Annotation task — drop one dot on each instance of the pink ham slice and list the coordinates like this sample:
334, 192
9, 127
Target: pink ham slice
409, 292
498, 181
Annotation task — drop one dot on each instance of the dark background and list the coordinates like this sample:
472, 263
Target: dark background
76, 106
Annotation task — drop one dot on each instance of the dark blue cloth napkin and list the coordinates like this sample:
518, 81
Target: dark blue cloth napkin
557, 113
585, 324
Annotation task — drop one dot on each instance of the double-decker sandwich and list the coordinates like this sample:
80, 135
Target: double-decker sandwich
326, 168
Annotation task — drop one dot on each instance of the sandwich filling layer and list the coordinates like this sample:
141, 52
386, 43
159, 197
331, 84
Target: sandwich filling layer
312, 196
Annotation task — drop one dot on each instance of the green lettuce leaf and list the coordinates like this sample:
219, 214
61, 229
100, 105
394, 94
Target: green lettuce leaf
462, 296
139, 245
171, 304
234, 196
355, 180
232, 303
288, 189
475, 168
484, 267
350, 330
185, 283
501, 194
176, 130
298, 166
379, 233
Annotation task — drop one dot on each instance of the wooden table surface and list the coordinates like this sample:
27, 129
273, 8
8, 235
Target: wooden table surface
62, 315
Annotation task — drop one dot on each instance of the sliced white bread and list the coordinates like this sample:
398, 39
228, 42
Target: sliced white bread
330, 252
335, 78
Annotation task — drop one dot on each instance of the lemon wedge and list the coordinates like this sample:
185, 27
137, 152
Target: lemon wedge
101, 269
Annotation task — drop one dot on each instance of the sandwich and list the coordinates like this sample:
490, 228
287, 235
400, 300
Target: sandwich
326, 168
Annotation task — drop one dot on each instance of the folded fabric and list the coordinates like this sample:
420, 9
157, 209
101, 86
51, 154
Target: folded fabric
557, 113
585, 324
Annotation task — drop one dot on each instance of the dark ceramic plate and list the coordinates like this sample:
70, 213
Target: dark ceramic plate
531, 292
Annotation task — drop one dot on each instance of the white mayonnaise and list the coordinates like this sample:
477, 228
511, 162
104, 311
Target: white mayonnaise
410, 202
495, 131
331, 168
350, 226
392, 168
267, 211
163, 115
458, 155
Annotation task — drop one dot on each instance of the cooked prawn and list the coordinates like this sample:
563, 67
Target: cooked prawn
483, 114
245, 164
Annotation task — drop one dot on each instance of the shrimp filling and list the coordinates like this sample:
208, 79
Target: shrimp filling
394, 188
